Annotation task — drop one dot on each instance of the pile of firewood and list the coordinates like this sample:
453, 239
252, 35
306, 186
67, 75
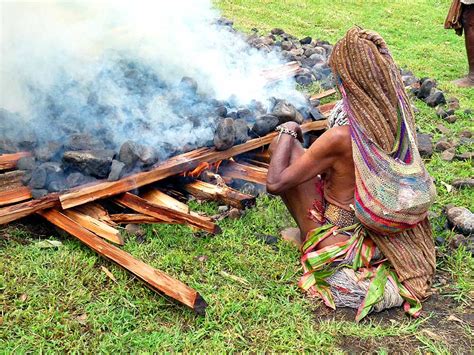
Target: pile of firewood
81, 211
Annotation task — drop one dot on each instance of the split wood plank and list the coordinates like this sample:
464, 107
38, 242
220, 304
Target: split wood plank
160, 198
96, 226
244, 172
96, 211
154, 278
23, 209
19, 194
326, 108
133, 218
281, 72
322, 95
173, 166
221, 193
166, 214
8, 161
11, 180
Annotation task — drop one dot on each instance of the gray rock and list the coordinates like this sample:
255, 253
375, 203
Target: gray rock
83, 142
461, 183
76, 179
442, 129
461, 219
286, 45
91, 162
306, 40
188, 85
48, 151
57, 185
26, 163
409, 80
284, 111
148, 156
52, 167
442, 145
453, 103
315, 114
129, 153
297, 51
451, 118
425, 145
466, 133
7, 146
38, 178
425, 88
224, 136
440, 112
435, 99
25, 179
304, 79
265, 124
277, 31
241, 131
465, 156
448, 154
245, 114
221, 111
38, 193
116, 170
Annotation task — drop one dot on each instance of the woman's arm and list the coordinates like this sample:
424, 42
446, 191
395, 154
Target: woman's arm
318, 158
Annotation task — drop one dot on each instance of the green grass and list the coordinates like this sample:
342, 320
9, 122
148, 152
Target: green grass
60, 299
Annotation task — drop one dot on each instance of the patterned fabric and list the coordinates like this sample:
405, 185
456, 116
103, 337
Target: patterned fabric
323, 212
393, 190
358, 251
339, 216
338, 116
371, 78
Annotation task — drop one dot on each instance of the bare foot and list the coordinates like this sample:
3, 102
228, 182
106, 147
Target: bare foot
292, 235
466, 82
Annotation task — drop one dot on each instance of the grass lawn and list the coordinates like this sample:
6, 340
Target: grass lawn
61, 300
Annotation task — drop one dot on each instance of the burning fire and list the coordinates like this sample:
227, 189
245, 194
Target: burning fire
198, 170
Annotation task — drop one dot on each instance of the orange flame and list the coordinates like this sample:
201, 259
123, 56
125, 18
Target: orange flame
202, 167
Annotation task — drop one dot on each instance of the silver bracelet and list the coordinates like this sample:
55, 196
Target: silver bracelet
284, 130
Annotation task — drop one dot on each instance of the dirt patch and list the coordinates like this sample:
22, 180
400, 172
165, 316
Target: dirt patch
445, 321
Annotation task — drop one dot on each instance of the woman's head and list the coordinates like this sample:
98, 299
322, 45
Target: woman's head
370, 82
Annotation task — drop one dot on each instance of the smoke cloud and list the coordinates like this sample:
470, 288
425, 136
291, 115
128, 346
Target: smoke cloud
114, 68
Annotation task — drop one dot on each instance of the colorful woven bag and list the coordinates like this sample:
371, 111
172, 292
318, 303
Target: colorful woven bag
393, 190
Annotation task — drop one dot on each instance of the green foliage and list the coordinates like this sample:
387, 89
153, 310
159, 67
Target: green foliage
59, 299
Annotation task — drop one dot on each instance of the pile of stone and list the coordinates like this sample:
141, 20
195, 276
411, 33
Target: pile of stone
312, 55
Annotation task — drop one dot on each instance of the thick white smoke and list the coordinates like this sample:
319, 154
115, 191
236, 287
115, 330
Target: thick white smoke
58, 57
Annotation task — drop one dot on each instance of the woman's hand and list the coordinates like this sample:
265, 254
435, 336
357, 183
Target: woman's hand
291, 125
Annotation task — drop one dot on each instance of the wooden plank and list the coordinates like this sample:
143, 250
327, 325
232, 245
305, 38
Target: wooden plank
166, 214
326, 109
8, 161
19, 194
133, 218
244, 172
96, 226
160, 198
223, 194
322, 95
96, 211
23, 209
173, 166
11, 180
155, 279
281, 72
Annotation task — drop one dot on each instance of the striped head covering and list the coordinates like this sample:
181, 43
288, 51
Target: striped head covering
371, 81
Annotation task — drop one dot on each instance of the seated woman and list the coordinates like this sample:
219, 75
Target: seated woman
345, 264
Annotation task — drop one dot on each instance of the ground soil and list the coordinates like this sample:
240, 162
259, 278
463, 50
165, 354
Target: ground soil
445, 321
